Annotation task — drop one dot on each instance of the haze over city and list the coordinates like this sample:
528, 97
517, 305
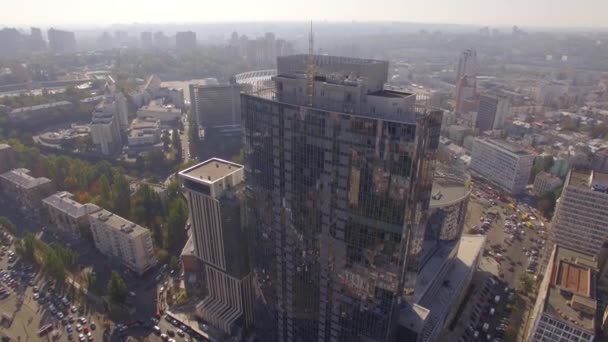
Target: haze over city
537, 13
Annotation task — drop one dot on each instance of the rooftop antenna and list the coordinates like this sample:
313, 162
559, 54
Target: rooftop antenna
310, 69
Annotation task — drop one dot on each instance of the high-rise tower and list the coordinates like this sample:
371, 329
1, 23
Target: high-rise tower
337, 198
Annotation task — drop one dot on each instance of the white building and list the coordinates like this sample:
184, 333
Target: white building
581, 217
545, 182
67, 215
18, 186
566, 304
506, 165
155, 109
124, 240
105, 132
144, 131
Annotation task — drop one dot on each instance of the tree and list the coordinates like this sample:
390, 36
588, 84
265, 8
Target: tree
121, 200
178, 215
174, 263
7, 225
117, 289
105, 192
177, 145
166, 140
526, 284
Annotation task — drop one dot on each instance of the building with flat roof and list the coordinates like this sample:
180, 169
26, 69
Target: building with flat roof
166, 114
214, 190
504, 164
61, 41
123, 240
66, 215
545, 182
20, 187
492, 112
581, 216
566, 304
7, 158
339, 180
144, 131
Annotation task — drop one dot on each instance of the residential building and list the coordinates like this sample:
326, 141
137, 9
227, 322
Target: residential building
566, 304
123, 240
19, 187
7, 158
61, 41
217, 106
166, 114
504, 164
545, 182
66, 215
144, 131
339, 176
215, 193
581, 214
105, 129
185, 41
492, 112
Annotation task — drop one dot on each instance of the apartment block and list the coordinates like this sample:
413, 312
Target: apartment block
545, 182
580, 221
66, 215
215, 193
61, 41
123, 240
106, 126
506, 165
21, 188
566, 305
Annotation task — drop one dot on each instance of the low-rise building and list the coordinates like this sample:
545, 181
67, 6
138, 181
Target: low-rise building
18, 186
144, 131
566, 305
121, 239
506, 165
66, 215
167, 114
545, 182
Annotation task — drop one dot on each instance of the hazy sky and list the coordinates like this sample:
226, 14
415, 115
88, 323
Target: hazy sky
486, 12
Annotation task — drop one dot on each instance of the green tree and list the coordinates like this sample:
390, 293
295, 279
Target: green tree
117, 289
178, 215
121, 200
7, 225
174, 263
166, 140
105, 192
526, 284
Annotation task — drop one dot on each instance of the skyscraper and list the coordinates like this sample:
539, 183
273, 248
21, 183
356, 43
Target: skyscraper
185, 41
339, 175
61, 41
491, 113
215, 192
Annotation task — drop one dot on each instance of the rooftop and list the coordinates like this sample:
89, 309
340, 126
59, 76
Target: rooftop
447, 191
211, 170
63, 201
589, 179
22, 179
390, 93
40, 106
571, 295
119, 223
4, 146
506, 146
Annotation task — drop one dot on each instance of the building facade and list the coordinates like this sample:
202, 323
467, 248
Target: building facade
61, 41
545, 182
566, 303
215, 191
504, 164
339, 176
144, 131
123, 240
581, 215
167, 115
106, 126
217, 106
66, 215
492, 112
19, 187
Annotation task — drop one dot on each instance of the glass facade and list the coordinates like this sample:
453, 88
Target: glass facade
336, 210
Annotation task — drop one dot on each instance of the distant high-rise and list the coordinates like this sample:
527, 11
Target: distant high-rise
11, 42
467, 64
161, 40
339, 174
145, 39
36, 42
215, 193
185, 41
491, 113
61, 41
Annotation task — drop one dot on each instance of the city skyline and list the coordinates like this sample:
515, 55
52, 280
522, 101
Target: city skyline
540, 13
